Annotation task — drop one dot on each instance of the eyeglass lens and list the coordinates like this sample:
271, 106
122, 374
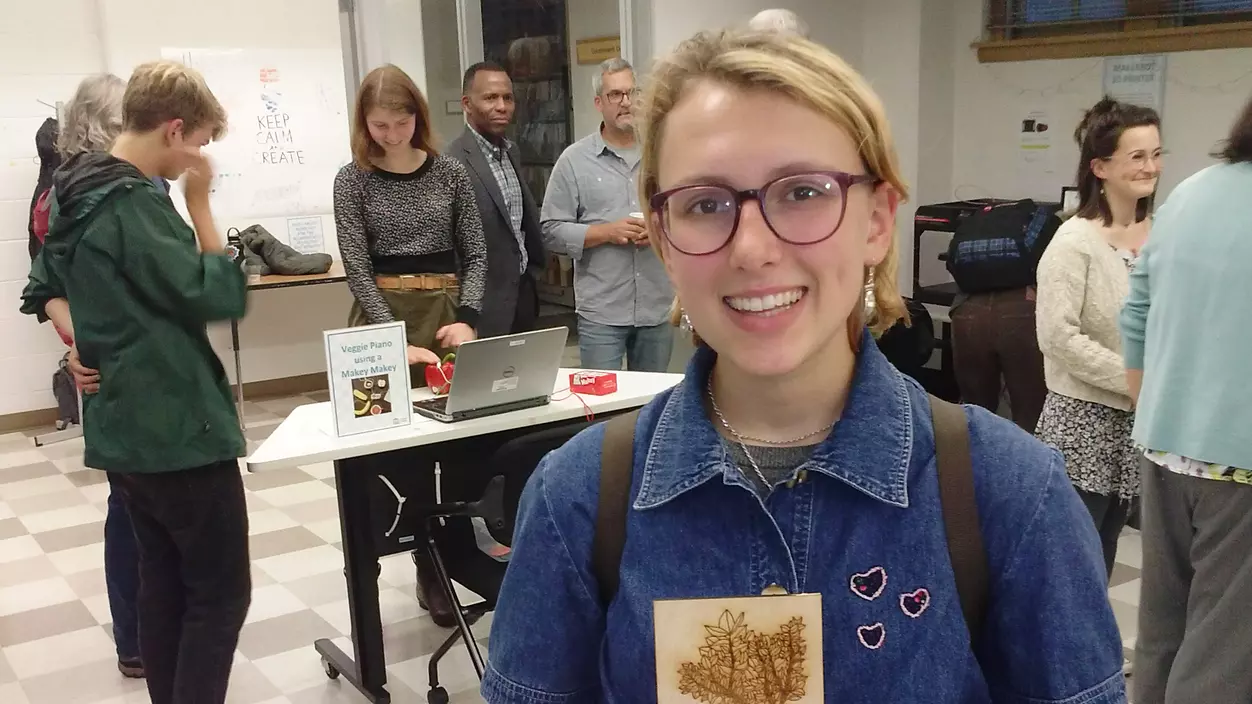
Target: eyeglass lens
800, 209
617, 96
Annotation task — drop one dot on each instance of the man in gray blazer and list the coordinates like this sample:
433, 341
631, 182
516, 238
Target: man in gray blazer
515, 255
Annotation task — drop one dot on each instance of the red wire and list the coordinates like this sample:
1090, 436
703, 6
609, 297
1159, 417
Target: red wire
587, 412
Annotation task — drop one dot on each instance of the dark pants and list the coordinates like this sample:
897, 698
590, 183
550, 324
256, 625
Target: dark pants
993, 336
526, 314
1109, 514
121, 575
1194, 631
191, 527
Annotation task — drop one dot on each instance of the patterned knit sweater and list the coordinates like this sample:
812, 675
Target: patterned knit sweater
422, 222
1083, 283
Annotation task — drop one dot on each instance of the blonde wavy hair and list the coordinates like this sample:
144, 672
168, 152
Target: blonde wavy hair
808, 74
92, 119
160, 91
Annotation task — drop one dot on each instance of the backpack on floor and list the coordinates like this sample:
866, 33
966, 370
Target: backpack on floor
998, 249
956, 496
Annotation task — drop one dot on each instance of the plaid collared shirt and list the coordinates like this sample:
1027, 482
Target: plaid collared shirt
510, 186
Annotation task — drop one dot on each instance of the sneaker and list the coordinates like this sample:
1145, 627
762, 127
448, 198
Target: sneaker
1128, 666
130, 667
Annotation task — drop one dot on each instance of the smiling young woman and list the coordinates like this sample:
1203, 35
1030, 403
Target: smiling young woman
793, 458
1084, 277
411, 239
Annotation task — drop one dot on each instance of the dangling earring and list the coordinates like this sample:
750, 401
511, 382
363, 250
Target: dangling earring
685, 323
870, 303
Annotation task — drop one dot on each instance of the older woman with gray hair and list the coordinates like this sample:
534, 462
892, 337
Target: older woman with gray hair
90, 122
93, 117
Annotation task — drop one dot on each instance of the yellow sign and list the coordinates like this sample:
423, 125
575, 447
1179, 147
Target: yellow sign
595, 50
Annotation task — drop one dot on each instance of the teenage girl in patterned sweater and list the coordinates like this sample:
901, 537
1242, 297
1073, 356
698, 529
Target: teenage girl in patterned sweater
411, 241
409, 231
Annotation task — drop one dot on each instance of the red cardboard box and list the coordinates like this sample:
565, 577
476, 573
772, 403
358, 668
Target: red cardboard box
593, 383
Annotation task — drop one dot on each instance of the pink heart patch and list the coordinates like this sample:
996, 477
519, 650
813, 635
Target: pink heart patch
869, 585
914, 604
872, 637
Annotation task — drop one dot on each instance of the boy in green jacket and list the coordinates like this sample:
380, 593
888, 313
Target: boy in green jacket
161, 421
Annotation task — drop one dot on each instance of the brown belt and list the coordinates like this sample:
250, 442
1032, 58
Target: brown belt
415, 282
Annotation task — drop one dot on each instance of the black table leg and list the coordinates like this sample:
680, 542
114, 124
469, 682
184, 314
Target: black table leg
369, 671
234, 346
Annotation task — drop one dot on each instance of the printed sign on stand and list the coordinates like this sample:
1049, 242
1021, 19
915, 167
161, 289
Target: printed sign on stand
368, 375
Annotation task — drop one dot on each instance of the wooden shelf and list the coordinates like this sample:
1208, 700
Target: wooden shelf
1229, 35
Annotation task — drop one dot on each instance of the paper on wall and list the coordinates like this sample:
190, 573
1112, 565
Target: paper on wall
1036, 167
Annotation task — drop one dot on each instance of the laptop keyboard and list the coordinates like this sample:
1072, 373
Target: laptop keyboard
439, 404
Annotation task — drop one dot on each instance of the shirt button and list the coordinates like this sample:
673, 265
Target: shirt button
773, 590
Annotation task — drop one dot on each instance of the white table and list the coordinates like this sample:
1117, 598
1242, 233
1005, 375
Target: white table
307, 436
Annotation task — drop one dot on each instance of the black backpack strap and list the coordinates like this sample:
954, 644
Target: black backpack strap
960, 512
617, 463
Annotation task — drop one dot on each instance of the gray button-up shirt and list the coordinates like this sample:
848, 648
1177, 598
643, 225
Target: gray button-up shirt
510, 185
623, 285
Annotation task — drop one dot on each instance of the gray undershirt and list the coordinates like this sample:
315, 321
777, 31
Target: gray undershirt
778, 464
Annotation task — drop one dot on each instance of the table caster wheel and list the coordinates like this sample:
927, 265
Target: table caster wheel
438, 695
331, 671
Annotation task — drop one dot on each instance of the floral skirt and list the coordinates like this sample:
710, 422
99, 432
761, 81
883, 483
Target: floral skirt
1095, 441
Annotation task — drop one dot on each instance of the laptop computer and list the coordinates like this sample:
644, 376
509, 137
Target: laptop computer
500, 374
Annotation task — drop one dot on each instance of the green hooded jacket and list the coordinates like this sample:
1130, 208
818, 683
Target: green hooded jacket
140, 294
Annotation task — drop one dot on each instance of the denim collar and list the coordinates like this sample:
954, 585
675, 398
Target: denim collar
869, 448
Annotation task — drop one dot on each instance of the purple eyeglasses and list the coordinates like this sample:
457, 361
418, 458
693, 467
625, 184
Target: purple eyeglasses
804, 208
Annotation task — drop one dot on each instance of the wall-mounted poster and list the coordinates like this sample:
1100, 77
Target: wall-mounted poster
1139, 80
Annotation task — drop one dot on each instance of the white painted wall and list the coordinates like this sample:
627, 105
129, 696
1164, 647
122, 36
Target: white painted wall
443, 69
282, 333
587, 19
31, 351
1204, 92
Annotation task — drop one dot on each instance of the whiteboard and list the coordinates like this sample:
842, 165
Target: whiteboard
287, 134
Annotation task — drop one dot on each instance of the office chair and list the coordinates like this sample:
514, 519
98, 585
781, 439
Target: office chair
450, 542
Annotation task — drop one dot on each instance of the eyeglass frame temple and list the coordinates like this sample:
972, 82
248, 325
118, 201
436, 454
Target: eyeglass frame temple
845, 180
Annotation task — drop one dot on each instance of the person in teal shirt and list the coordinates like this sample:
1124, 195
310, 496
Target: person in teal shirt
1187, 342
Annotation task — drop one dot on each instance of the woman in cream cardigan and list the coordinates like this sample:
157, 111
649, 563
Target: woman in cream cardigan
1083, 281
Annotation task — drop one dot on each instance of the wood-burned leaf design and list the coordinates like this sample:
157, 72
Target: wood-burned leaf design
740, 666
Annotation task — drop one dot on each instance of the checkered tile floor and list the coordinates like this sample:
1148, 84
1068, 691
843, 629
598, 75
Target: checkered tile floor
55, 640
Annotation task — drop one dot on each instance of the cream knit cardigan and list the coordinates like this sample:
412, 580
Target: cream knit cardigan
1083, 283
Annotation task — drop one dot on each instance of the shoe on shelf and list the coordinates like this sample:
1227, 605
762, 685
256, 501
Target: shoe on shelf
130, 667
430, 593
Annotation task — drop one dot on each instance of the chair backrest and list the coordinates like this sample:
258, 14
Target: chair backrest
516, 460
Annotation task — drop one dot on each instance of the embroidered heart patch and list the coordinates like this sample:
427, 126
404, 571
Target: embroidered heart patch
869, 585
872, 637
914, 604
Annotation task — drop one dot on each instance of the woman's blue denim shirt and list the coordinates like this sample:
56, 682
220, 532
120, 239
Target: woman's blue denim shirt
866, 503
